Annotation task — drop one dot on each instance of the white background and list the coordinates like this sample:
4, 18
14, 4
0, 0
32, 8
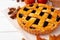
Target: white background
7, 30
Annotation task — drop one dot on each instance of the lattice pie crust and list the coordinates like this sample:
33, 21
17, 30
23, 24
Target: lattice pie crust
38, 18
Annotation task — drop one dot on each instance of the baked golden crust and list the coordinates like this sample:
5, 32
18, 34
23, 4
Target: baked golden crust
38, 18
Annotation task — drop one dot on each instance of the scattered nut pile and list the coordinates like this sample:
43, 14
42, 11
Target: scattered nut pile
12, 12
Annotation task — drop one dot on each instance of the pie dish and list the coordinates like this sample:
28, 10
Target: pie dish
38, 18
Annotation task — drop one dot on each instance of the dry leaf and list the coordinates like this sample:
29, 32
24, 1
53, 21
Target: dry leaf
39, 38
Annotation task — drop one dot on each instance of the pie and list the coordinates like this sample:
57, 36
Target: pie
38, 18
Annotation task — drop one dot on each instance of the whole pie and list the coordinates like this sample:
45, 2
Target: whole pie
38, 18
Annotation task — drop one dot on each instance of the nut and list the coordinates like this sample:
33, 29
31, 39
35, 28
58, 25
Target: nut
10, 13
11, 10
13, 16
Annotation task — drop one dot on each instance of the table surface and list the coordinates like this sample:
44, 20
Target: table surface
7, 30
